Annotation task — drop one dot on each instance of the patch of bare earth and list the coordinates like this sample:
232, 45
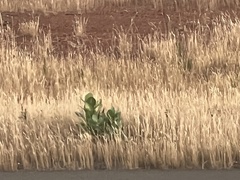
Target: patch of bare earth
102, 22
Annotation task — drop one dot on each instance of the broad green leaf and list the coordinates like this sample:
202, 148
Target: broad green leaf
88, 107
101, 120
113, 110
92, 122
98, 104
111, 113
88, 115
88, 96
91, 102
95, 118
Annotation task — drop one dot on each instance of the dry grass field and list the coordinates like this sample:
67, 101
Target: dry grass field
171, 67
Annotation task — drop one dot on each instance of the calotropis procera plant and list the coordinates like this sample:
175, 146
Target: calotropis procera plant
96, 122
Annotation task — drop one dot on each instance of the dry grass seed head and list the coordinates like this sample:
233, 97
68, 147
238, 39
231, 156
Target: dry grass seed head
30, 28
80, 26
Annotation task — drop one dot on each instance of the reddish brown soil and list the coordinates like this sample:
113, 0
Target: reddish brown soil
102, 21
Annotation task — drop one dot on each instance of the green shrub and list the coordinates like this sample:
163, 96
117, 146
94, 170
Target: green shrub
95, 121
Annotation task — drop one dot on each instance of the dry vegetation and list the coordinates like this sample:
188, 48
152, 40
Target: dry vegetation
179, 97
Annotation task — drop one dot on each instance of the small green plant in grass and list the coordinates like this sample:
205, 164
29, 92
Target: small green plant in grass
95, 121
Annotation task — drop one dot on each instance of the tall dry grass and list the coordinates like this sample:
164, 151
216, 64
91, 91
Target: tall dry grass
179, 100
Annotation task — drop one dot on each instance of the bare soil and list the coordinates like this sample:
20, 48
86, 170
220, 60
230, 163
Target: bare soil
102, 22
